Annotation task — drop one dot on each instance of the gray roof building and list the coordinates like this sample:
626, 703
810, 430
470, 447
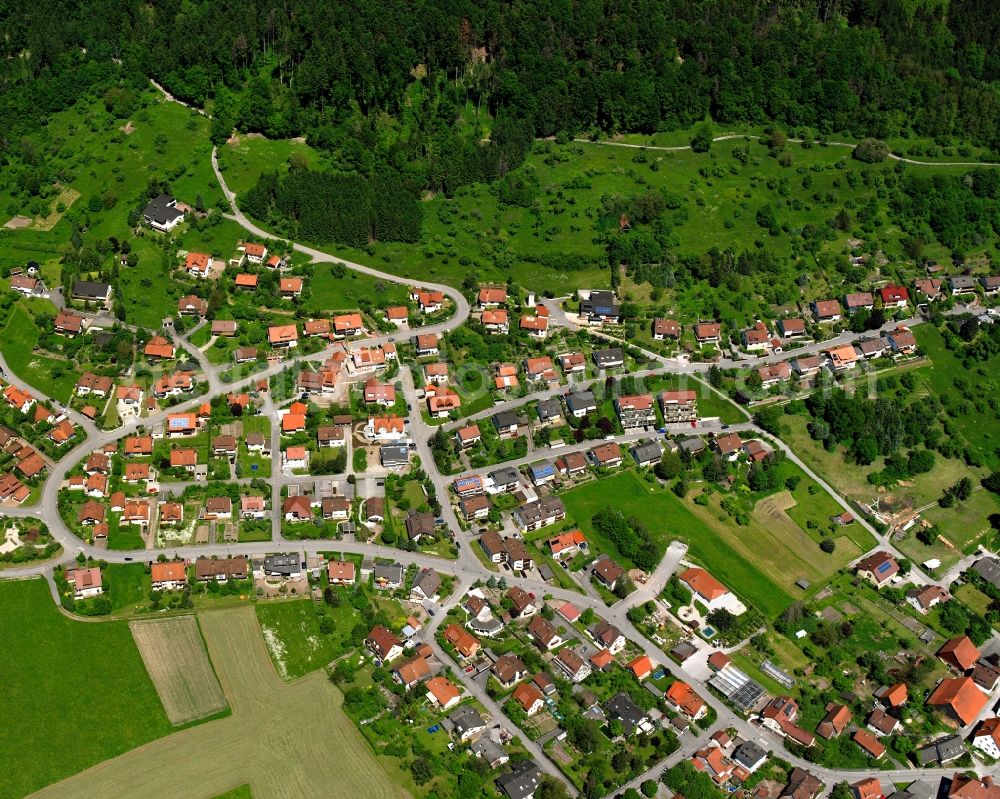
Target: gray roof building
621, 708
581, 402
989, 570
549, 409
428, 582
521, 782
609, 358
646, 454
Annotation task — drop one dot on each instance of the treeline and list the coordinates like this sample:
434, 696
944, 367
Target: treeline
325, 207
402, 75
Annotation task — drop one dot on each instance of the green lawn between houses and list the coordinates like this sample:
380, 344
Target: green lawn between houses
52, 377
74, 694
760, 561
292, 634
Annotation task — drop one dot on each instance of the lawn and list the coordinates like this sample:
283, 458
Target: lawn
760, 561
246, 158
961, 525
291, 631
52, 377
328, 292
127, 584
123, 536
310, 743
84, 146
973, 598
58, 672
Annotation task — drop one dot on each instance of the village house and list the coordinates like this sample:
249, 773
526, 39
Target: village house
426, 344
878, 568
529, 698
728, 446
599, 307
169, 576
665, 328
791, 328
68, 324
827, 311
382, 643
756, 338
607, 572
162, 214
572, 665
535, 515
544, 633
681, 698
679, 406
283, 336
960, 698
858, 301
708, 332
85, 582
774, 373
607, 455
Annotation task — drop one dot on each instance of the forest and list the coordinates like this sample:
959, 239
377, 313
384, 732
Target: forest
441, 94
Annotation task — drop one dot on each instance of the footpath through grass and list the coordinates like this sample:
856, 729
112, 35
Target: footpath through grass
74, 693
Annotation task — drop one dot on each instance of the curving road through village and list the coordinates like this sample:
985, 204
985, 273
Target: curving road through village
467, 568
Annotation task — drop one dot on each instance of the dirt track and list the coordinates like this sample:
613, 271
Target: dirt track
285, 739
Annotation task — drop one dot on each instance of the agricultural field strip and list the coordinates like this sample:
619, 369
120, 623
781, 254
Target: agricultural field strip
175, 657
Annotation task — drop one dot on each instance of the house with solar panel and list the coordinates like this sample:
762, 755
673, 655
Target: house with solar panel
542, 473
878, 568
599, 307
180, 424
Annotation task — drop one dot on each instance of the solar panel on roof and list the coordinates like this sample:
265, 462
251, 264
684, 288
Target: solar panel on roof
884, 567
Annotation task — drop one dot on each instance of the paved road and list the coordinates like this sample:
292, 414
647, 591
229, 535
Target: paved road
466, 567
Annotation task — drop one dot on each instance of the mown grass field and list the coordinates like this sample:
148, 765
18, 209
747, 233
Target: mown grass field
330, 293
243, 792
178, 664
74, 693
310, 747
760, 561
291, 631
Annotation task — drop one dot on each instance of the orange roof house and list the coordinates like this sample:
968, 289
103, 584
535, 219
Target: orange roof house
291, 286
246, 281
835, 721
278, 335
464, 642
681, 696
528, 697
703, 584
641, 667
961, 697
869, 743
959, 653
441, 692
168, 572
158, 347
